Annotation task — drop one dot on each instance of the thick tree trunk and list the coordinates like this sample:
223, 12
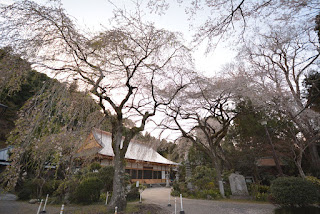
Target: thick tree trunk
118, 198
311, 141
216, 165
315, 159
298, 162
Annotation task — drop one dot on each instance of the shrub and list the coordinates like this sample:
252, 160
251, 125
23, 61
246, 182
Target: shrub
315, 181
89, 190
175, 193
34, 188
94, 166
27, 190
259, 192
51, 186
180, 187
66, 190
133, 194
203, 178
105, 174
292, 191
103, 196
208, 194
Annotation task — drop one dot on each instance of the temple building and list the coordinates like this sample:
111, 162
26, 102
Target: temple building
143, 163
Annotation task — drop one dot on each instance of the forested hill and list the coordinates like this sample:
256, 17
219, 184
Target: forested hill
18, 83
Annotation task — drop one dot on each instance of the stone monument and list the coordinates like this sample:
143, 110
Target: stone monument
238, 186
167, 180
188, 175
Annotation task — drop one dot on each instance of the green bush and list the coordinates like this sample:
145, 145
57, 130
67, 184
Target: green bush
259, 192
180, 187
94, 166
175, 193
293, 191
66, 188
208, 194
89, 190
105, 174
203, 178
133, 194
50, 187
28, 190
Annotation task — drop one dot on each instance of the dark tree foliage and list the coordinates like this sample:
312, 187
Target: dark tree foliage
18, 83
312, 85
248, 133
251, 138
197, 157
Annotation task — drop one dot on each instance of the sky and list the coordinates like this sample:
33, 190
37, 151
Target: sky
97, 13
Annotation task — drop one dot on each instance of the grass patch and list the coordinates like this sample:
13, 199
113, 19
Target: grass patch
132, 208
89, 209
243, 201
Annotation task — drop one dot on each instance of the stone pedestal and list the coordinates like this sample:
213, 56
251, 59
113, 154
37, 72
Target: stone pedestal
188, 175
167, 180
221, 189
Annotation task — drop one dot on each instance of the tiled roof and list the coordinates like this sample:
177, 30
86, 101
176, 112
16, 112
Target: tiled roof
267, 161
135, 151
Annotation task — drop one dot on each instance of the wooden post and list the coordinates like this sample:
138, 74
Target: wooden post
45, 204
107, 198
62, 209
181, 211
40, 206
175, 205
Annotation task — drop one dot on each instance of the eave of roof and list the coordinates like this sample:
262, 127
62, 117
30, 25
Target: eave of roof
136, 151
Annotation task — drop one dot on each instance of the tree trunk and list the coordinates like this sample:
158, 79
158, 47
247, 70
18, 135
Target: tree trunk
216, 165
298, 163
274, 154
315, 159
118, 198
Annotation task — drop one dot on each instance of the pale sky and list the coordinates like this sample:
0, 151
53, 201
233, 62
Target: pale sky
96, 13
92, 15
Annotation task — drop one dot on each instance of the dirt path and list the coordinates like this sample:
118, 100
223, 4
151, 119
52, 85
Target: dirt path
160, 196
18, 207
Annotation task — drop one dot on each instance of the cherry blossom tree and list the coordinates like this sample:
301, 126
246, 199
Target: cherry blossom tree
132, 69
278, 61
203, 114
214, 21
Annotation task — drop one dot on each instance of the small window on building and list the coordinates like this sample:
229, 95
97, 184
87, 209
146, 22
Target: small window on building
147, 174
159, 174
155, 175
133, 174
139, 174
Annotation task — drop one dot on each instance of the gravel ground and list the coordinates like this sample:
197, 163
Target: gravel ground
160, 196
19, 207
9, 205
157, 196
